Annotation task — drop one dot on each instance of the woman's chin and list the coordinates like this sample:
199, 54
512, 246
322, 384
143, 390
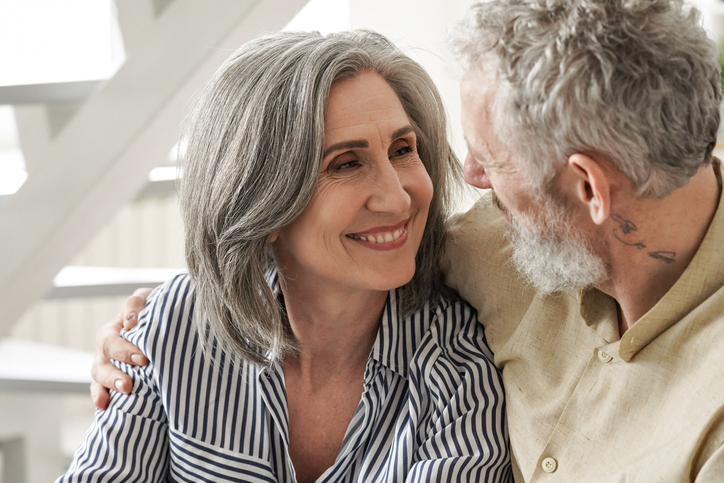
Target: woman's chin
392, 279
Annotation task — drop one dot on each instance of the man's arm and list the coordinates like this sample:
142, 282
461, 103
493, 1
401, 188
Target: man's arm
477, 264
713, 469
709, 466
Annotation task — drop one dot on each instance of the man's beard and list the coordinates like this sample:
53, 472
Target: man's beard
551, 253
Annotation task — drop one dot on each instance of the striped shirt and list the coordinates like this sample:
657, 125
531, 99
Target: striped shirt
432, 408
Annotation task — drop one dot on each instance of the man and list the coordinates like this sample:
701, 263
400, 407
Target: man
593, 122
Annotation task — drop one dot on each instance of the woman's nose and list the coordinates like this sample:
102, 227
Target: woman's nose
475, 174
389, 193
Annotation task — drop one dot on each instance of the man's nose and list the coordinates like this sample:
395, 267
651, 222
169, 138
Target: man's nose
475, 174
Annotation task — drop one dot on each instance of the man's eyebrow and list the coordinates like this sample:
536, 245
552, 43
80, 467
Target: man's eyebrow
467, 144
361, 143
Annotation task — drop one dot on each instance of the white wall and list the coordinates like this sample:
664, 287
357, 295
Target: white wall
420, 28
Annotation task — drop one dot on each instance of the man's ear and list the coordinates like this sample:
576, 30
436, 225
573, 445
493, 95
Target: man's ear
273, 237
593, 186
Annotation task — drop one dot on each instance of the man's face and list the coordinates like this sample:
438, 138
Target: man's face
487, 166
547, 246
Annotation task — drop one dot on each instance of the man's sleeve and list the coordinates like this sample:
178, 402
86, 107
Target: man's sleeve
713, 469
477, 264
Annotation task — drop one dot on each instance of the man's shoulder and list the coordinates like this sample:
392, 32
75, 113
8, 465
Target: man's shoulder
476, 241
477, 264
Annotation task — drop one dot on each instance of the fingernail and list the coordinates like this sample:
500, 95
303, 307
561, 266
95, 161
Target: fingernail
131, 317
137, 359
119, 386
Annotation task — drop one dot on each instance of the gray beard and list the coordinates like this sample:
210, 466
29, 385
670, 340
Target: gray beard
552, 254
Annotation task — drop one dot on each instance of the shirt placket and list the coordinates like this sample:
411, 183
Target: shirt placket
369, 408
552, 463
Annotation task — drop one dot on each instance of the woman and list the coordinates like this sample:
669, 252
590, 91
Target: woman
313, 339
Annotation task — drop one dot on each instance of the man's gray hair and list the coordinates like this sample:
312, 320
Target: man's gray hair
636, 81
255, 144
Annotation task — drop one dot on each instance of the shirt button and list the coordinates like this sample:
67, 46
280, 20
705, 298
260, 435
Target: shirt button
549, 464
605, 357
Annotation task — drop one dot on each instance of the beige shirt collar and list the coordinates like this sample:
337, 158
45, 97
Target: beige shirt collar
703, 277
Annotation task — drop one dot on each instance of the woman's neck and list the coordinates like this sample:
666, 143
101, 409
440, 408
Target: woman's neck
335, 328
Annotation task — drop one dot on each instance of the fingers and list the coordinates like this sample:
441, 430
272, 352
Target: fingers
100, 396
109, 345
108, 376
133, 306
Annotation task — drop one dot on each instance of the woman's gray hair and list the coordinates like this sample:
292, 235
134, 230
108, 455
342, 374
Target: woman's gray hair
636, 81
255, 144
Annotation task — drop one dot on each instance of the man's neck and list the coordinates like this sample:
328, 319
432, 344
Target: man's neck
649, 243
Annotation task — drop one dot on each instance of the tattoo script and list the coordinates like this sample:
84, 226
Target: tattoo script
664, 256
627, 227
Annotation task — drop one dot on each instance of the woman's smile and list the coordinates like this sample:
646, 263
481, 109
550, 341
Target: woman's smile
382, 237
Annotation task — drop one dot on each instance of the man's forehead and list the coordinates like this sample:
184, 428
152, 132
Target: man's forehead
478, 96
480, 83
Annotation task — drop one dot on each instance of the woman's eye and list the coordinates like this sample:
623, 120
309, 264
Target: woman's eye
402, 151
347, 165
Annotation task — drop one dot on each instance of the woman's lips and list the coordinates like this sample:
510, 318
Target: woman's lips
382, 238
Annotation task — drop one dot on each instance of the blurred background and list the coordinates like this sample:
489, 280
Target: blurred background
92, 94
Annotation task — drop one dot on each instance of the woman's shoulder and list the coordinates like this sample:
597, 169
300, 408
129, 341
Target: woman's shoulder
454, 325
168, 314
454, 314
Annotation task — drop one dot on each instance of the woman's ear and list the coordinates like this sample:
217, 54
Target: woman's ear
593, 186
273, 237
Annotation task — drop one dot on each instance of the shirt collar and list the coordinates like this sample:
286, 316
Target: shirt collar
703, 277
398, 337
598, 310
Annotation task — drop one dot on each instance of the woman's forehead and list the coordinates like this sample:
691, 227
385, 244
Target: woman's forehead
361, 102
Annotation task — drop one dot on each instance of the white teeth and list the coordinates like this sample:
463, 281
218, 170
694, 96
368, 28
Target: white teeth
381, 238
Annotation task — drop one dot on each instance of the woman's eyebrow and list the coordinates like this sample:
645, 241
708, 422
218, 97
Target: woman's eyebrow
361, 143
401, 132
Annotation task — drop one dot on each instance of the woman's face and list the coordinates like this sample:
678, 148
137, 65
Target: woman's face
363, 225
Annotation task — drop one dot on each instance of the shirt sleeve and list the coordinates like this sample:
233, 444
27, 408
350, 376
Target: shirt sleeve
462, 433
129, 440
477, 264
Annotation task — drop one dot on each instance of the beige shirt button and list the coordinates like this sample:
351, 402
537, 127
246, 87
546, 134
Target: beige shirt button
549, 464
604, 357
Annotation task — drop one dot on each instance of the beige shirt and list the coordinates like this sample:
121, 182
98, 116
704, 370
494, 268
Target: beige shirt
584, 405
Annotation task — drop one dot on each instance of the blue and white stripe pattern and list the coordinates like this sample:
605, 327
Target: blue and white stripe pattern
432, 408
